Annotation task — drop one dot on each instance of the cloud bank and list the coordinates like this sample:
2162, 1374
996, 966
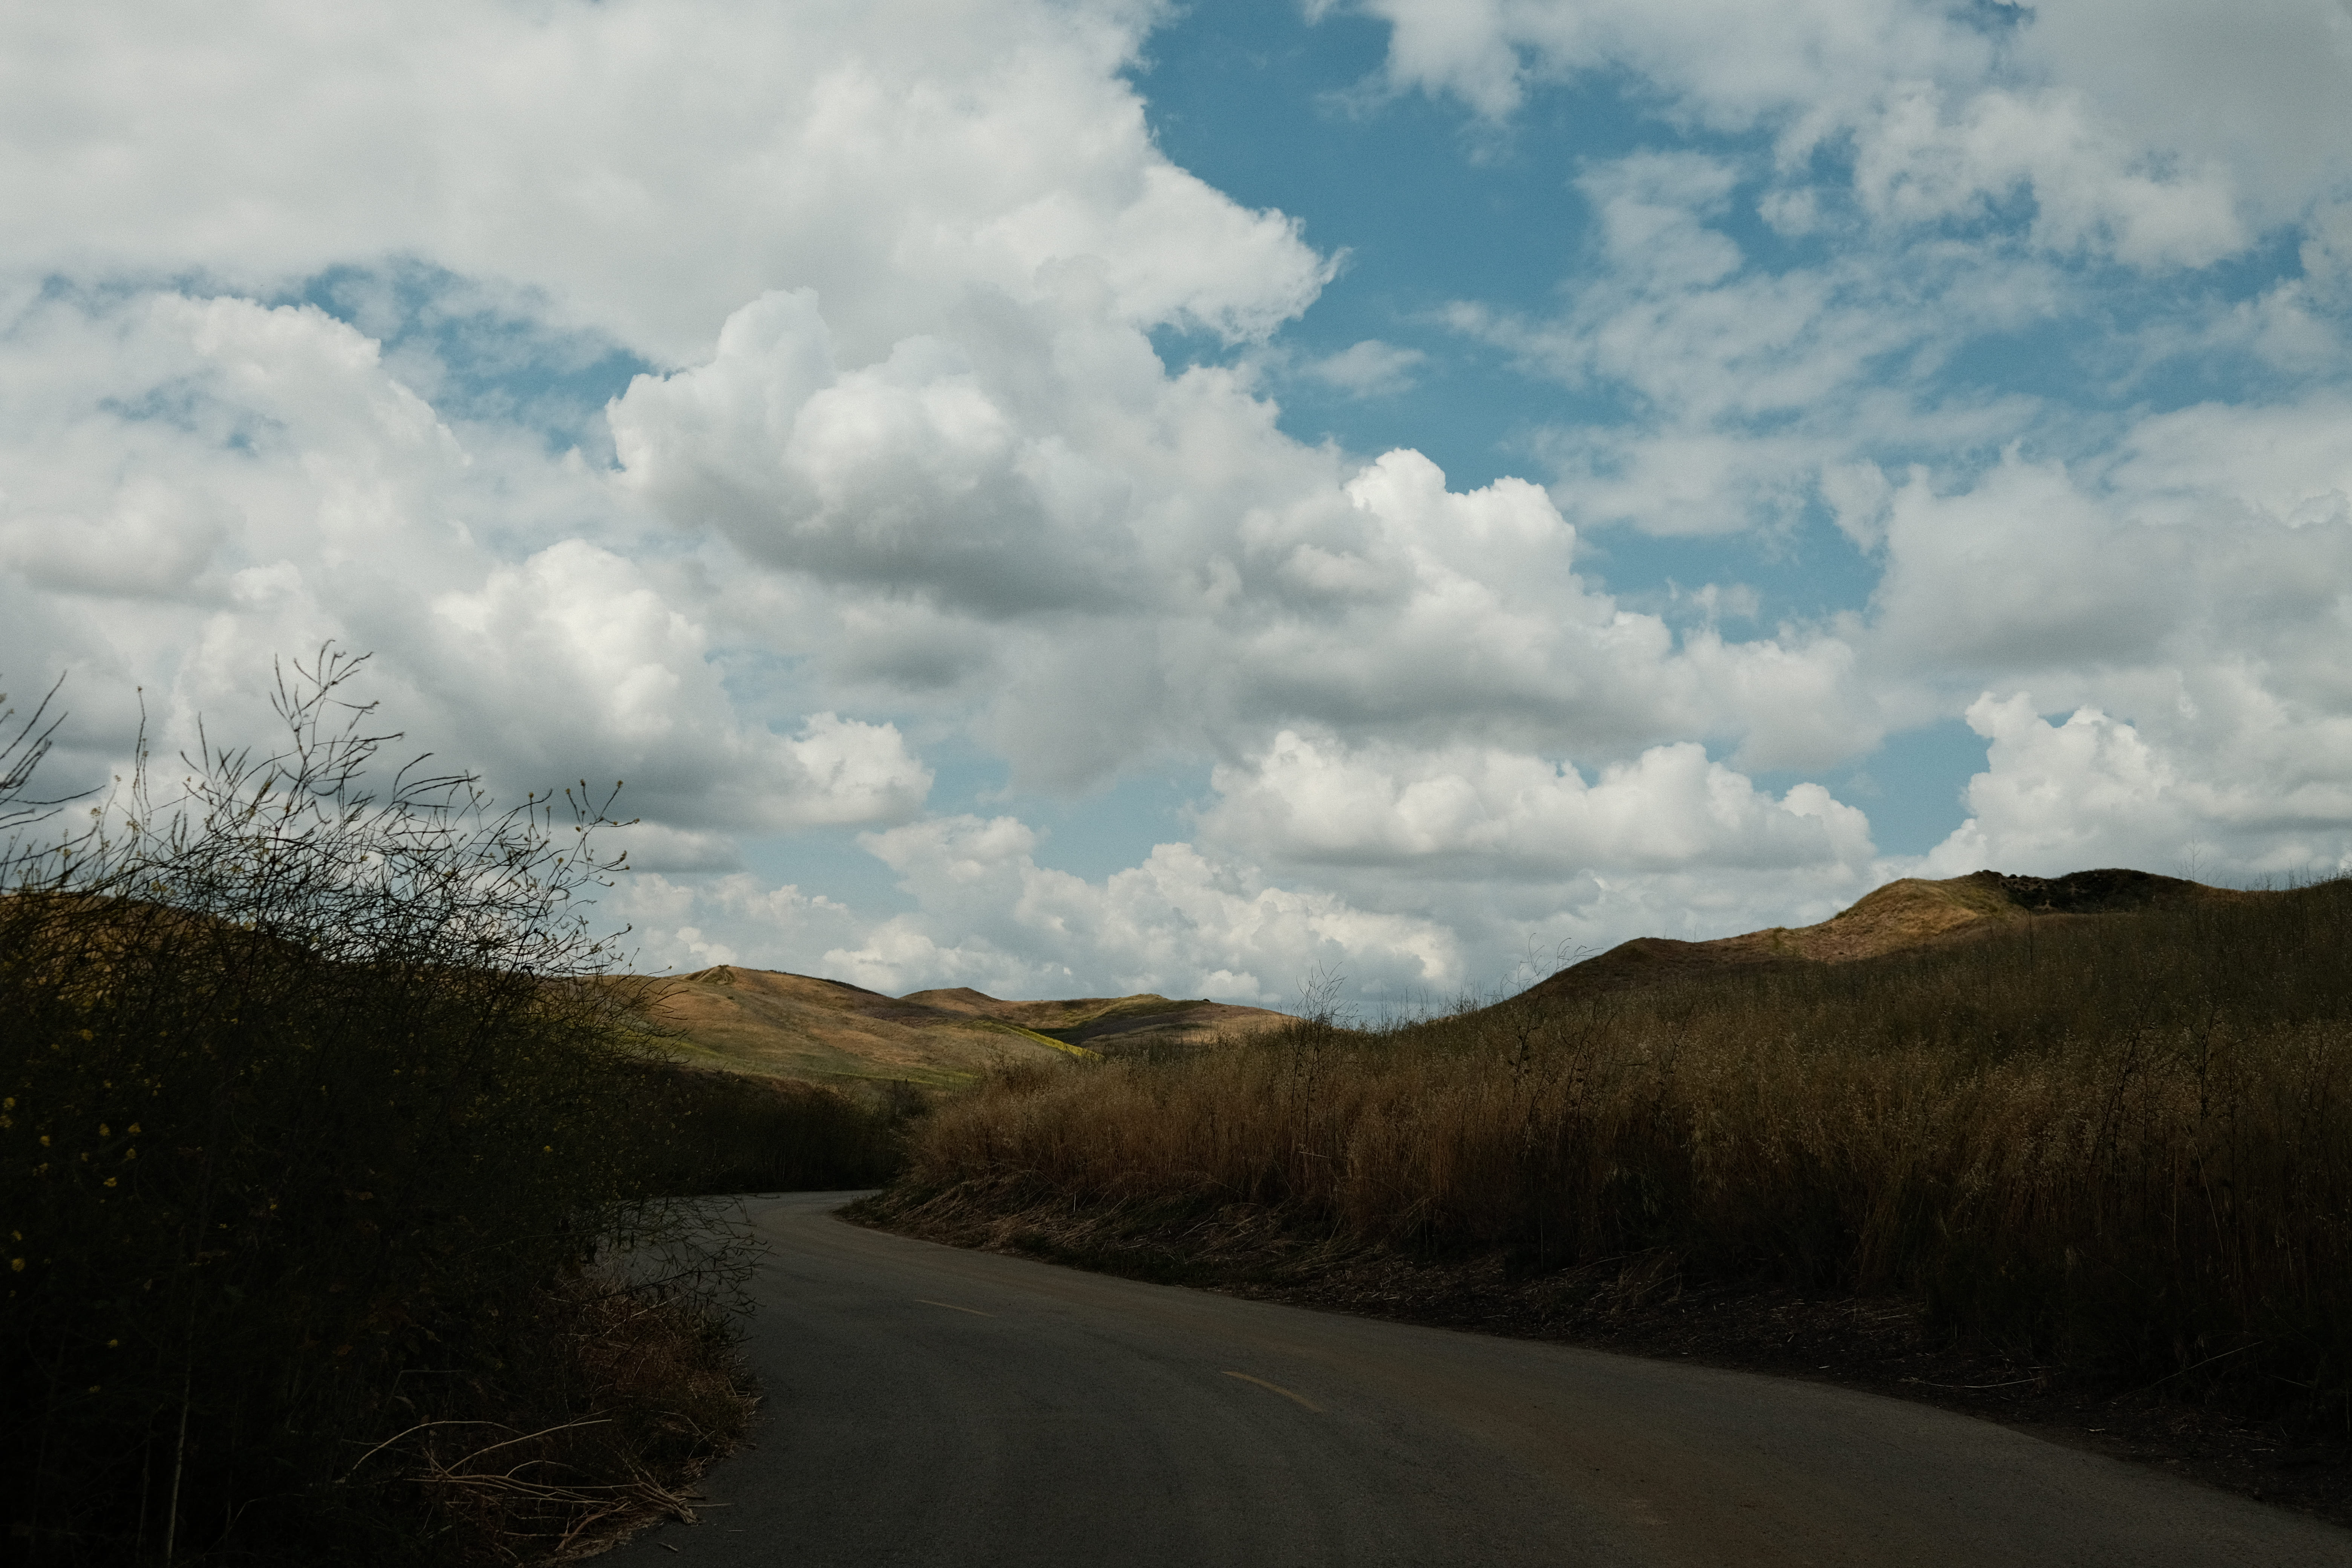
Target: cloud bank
779, 408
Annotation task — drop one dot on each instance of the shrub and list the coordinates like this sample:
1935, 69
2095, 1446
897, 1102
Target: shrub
317, 1128
716, 1132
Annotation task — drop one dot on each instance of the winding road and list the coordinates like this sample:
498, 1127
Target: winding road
927, 1405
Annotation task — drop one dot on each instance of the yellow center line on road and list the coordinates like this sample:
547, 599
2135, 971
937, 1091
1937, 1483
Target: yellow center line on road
950, 1306
1294, 1398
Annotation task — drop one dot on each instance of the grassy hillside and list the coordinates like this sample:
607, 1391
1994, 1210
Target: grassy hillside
2101, 1117
827, 1031
1904, 916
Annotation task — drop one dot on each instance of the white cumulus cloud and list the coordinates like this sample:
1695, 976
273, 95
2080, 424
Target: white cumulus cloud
1180, 923
2092, 790
1468, 812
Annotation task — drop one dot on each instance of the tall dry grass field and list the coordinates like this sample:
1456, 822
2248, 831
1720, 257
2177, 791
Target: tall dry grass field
2119, 1141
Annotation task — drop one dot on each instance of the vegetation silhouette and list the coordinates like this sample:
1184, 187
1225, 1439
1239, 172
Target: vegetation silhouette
347, 1201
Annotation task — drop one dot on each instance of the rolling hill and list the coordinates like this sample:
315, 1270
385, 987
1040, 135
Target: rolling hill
795, 1025
1902, 916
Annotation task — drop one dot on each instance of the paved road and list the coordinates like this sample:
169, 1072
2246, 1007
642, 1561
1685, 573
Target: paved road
927, 1405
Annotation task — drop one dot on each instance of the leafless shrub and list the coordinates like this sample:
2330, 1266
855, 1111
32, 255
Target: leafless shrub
320, 1121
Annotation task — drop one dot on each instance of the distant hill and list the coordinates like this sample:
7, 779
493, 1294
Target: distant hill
795, 1025
1903, 915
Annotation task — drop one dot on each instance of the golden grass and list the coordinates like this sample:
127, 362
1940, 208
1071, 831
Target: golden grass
630, 1400
763, 1022
2119, 1139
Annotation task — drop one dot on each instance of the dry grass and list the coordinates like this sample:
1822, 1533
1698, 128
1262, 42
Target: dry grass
2117, 1139
628, 1400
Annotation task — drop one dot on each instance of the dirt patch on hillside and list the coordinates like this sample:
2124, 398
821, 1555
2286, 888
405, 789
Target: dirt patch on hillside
1649, 1305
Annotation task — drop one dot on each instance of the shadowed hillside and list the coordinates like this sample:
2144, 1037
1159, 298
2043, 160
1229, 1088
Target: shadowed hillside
793, 1026
1900, 917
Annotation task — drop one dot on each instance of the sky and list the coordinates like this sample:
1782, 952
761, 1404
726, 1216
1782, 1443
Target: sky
1077, 497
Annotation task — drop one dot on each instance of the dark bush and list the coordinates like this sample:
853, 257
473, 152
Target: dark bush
717, 1131
324, 1157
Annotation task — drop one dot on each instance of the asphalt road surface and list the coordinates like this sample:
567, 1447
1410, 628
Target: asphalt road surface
928, 1406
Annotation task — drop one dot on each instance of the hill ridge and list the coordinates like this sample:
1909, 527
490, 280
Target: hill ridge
1907, 913
778, 1023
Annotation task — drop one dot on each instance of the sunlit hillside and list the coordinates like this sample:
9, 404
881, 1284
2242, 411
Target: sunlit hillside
792, 1025
1902, 916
